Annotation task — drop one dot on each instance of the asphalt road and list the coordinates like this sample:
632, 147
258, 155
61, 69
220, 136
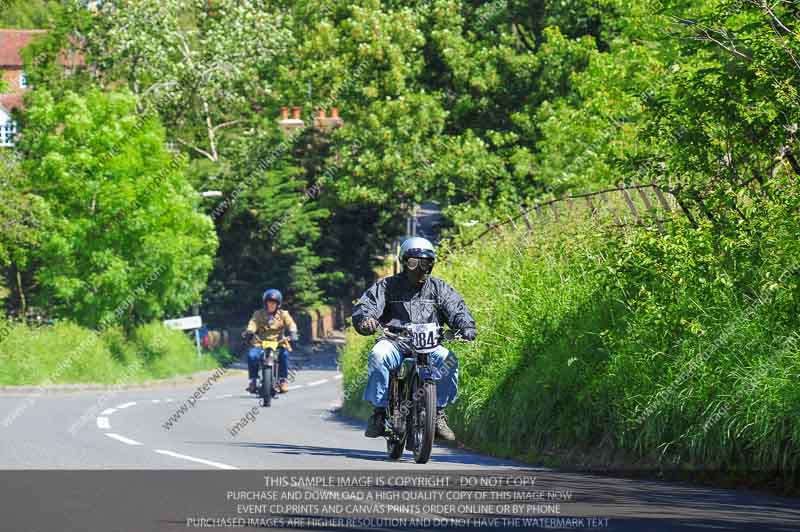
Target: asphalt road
92, 430
128, 430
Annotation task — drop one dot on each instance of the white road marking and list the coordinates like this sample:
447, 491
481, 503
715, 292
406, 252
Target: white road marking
225, 396
296, 386
102, 423
168, 400
155, 400
317, 383
126, 405
198, 460
338, 376
123, 439
108, 411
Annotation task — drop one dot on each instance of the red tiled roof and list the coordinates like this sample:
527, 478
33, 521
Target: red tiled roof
11, 44
13, 41
10, 101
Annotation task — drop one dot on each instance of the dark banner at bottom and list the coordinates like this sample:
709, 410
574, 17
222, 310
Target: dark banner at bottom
374, 500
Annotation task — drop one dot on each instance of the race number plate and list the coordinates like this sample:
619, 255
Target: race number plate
425, 336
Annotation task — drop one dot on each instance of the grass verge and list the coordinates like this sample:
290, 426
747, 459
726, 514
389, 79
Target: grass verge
628, 351
67, 353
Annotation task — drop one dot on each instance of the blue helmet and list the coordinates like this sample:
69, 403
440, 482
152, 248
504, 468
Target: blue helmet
272, 294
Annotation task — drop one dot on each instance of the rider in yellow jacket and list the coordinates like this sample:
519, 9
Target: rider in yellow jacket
269, 323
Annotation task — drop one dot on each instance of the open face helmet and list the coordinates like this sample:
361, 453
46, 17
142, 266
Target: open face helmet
272, 294
417, 255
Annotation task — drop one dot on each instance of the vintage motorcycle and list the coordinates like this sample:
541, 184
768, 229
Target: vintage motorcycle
267, 387
411, 409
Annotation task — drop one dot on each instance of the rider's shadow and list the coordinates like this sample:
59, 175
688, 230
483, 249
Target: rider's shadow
290, 449
453, 457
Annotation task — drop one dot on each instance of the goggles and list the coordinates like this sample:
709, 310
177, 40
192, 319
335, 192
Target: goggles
423, 264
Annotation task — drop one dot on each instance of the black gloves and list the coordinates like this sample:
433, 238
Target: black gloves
367, 326
469, 334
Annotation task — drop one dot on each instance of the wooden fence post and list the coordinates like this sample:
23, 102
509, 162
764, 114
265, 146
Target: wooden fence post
525, 217
592, 208
662, 199
646, 201
631, 206
651, 208
607, 203
554, 208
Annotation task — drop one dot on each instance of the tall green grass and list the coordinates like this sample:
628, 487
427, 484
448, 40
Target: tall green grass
636, 349
68, 353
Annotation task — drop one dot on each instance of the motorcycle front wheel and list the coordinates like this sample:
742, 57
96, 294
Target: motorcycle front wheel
266, 384
423, 420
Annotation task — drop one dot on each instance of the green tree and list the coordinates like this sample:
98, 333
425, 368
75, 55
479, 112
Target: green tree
28, 14
23, 222
206, 71
127, 241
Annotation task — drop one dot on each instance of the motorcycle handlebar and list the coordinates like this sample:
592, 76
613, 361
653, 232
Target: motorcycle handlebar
447, 335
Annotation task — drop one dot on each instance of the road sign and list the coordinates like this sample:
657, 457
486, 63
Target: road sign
184, 324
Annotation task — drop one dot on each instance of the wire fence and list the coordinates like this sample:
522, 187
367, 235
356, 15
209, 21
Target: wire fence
621, 207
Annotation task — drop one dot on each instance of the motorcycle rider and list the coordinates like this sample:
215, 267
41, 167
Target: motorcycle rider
267, 324
414, 296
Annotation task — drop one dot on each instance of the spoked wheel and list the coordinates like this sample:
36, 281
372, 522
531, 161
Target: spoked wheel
266, 385
274, 390
423, 420
396, 441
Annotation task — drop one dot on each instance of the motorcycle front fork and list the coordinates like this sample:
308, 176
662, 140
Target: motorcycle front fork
400, 404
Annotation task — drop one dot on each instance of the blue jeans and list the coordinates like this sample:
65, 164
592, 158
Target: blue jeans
386, 356
254, 360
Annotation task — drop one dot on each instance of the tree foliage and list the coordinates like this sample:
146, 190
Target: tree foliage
126, 241
481, 106
28, 14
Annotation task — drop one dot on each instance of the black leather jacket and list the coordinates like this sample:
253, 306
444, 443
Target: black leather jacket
395, 298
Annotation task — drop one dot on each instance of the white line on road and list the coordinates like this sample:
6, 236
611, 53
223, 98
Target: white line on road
102, 423
338, 376
126, 405
123, 439
198, 460
296, 386
317, 383
225, 396
155, 400
108, 411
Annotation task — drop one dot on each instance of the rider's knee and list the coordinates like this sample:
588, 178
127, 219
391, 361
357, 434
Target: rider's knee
446, 359
450, 361
379, 354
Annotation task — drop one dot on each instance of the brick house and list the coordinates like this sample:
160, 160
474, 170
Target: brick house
13, 74
11, 44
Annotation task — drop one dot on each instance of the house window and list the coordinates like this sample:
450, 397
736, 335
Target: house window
8, 131
23, 80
